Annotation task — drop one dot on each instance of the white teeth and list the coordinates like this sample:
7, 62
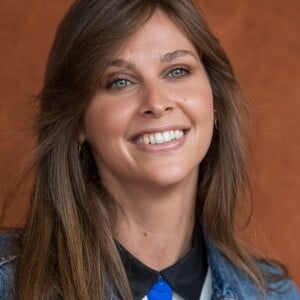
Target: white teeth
146, 140
152, 139
178, 134
166, 136
172, 135
160, 137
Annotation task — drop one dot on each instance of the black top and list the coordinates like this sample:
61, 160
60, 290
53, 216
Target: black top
186, 276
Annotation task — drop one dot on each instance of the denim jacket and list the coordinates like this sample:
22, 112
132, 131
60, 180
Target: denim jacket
228, 282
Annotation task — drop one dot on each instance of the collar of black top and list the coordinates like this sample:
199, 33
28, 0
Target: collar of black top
186, 276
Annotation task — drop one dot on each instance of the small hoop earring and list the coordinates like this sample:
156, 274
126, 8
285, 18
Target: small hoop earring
79, 148
216, 123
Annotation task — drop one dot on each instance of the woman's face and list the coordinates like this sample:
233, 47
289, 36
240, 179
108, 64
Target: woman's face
151, 120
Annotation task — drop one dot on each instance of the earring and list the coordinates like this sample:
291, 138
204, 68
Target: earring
216, 123
79, 148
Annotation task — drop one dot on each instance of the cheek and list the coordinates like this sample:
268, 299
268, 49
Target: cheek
106, 119
198, 103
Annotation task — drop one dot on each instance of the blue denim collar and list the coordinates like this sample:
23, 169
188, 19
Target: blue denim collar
228, 282
9, 240
221, 279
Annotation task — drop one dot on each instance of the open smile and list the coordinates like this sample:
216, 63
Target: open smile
161, 140
160, 137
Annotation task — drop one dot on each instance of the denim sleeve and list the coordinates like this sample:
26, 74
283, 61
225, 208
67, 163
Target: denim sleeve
286, 290
283, 289
294, 293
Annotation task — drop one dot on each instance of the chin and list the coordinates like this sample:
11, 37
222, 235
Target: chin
172, 176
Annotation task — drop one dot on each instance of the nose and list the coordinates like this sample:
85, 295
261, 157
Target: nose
156, 102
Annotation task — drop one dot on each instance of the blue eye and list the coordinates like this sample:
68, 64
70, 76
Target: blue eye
178, 72
119, 84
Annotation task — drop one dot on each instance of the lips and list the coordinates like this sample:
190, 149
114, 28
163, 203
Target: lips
160, 140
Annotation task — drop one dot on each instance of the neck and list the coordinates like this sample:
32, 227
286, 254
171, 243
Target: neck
156, 225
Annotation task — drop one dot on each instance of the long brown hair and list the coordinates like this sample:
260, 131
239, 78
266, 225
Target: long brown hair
67, 248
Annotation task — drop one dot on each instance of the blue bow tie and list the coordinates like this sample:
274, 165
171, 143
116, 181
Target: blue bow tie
160, 290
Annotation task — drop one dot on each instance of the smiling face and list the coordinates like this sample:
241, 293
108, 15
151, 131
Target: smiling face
151, 120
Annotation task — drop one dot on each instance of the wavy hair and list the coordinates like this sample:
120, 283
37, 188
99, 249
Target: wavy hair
68, 251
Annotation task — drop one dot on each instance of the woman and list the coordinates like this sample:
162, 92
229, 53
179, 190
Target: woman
140, 164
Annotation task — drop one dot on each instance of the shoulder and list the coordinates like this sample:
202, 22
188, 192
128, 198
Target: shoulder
280, 288
230, 282
8, 257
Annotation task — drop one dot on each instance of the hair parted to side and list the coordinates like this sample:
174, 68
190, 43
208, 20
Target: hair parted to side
68, 251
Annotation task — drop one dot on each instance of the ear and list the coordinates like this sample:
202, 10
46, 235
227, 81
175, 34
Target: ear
81, 136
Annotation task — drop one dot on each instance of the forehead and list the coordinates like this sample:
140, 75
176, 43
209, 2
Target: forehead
158, 35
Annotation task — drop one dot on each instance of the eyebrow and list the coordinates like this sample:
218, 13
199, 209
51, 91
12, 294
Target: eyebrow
165, 58
119, 63
175, 54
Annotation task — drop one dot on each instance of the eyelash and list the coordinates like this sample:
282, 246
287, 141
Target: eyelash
184, 72
110, 85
